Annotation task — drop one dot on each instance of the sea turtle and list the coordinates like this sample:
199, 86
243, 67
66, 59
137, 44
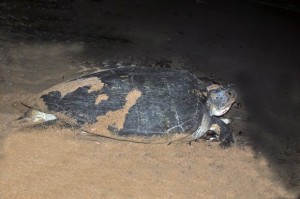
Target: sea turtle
139, 104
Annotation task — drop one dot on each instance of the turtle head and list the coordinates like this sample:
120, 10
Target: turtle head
219, 100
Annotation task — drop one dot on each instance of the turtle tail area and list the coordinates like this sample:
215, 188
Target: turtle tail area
34, 117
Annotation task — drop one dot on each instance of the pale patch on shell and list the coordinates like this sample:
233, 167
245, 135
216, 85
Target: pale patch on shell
101, 98
69, 87
115, 119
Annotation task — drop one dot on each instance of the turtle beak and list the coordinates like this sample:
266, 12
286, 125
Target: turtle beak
221, 112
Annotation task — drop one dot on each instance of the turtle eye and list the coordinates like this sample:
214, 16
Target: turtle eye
230, 93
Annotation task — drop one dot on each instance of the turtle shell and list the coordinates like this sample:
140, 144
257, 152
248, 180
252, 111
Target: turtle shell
129, 103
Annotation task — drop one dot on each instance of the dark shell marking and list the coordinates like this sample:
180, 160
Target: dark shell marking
163, 102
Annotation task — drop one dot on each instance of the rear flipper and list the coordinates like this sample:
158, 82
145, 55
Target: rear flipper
34, 117
223, 132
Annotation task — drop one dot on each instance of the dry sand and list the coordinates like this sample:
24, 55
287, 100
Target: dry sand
57, 163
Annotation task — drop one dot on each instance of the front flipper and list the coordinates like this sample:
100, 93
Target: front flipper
224, 132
